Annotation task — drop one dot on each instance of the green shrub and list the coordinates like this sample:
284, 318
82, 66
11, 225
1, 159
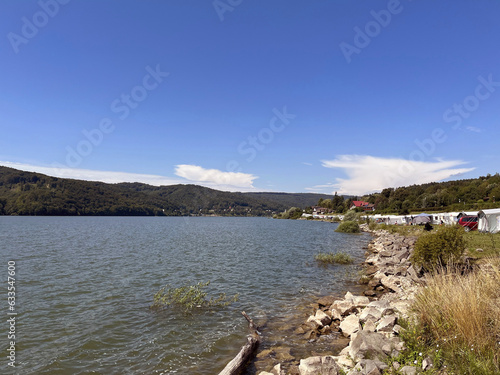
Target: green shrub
188, 297
292, 213
348, 227
332, 258
351, 215
372, 225
440, 248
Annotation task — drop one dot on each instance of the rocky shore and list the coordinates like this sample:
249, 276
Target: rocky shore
369, 322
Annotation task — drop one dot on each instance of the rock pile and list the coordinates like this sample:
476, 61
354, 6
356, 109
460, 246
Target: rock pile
370, 321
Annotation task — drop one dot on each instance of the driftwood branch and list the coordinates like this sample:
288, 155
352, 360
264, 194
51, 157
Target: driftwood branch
238, 363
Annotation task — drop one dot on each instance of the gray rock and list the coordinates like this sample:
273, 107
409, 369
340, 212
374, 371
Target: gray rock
409, 370
350, 325
380, 304
344, 361
370, 311
386, 324
373, 345
277, 370
321, 318
326, 301
361, 301
427, 363
397, 329
335, 314
319, 365
391, 283
386, 253
372, 367
402, 255
370, 324
344, 307
369, 293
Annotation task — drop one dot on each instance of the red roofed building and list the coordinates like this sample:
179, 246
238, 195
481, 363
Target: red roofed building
366, 206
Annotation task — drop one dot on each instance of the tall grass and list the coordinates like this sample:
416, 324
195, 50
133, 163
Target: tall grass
461, 313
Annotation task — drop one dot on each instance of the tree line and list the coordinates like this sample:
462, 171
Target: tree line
460, 195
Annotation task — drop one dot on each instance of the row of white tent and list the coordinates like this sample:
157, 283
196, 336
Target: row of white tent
488, 220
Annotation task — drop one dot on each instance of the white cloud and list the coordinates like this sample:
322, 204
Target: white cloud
323, 189
473, 129
93, 175
215, 177
368, 174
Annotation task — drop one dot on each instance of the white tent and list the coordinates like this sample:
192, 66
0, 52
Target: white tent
489, 220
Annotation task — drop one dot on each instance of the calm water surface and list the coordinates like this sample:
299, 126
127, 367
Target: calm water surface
85, 284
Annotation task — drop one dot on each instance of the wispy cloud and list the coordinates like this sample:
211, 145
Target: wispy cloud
215, 177
473, 129
368, 174
325, 188
305, 163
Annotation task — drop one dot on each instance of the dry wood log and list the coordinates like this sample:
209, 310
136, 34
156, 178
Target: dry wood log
238, 363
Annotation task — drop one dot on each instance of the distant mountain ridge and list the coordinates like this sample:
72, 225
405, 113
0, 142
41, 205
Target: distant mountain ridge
301, 200
28, 193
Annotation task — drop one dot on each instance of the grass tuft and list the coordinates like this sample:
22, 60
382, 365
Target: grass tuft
333, 258
189, 297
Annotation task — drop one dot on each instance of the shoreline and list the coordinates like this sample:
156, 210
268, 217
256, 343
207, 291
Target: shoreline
362, 329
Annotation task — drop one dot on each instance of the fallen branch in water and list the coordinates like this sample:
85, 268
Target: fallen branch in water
237, 364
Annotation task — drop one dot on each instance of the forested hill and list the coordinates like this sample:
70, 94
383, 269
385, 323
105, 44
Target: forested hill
301, 200
470, 194
27, 193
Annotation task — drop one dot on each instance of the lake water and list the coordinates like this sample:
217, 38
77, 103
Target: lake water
84, 286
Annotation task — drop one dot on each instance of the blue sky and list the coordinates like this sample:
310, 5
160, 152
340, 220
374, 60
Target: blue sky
240, 95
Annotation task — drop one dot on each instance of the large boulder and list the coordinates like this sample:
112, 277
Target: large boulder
320, 318
386, 324
319, 365
344, 307
370, 311
370, 345
350, 325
